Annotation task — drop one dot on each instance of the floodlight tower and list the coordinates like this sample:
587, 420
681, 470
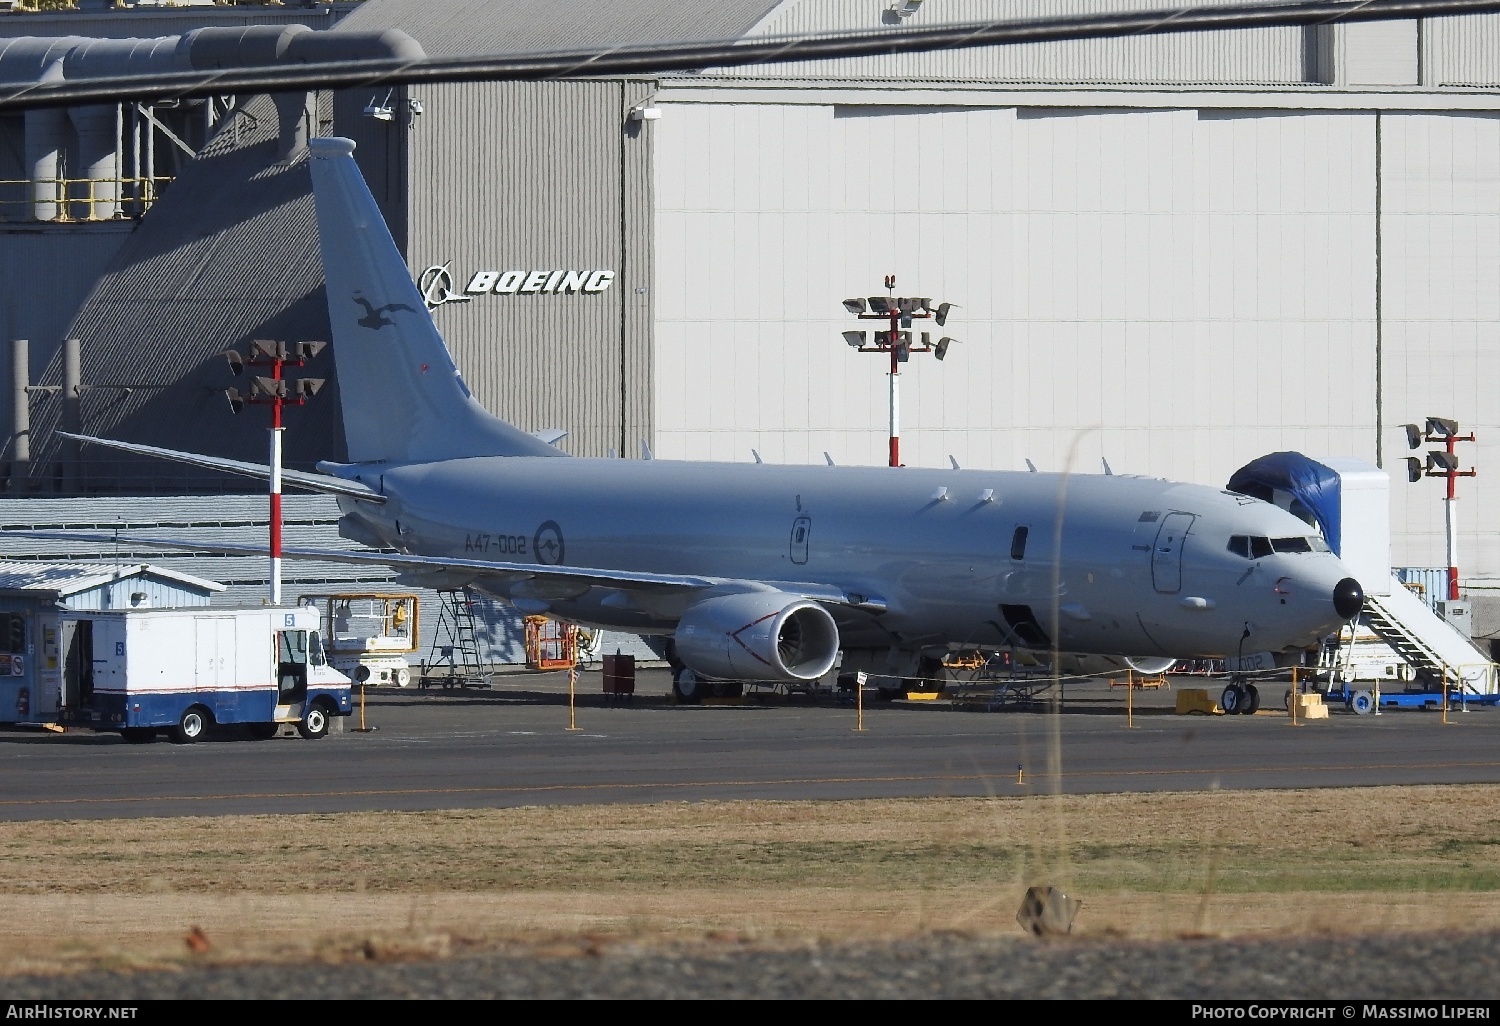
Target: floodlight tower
1441, 463
273, 391
900, 312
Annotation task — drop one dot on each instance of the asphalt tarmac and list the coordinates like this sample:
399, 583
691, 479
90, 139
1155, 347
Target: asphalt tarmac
511, 745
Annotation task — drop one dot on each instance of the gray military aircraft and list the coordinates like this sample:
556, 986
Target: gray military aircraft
760, 572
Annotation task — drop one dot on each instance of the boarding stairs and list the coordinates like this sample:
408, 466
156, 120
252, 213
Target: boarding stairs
455, 644
1436, 650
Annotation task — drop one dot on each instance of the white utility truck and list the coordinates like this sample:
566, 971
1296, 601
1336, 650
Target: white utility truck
140, 672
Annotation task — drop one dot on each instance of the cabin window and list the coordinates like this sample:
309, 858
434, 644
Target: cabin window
1018, 543
13, 633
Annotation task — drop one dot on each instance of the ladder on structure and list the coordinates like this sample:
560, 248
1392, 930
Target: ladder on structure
1435, 649
455, 644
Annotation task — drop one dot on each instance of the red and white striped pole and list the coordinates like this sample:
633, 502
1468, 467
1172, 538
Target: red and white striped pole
895, 452
276, 486
1450, 509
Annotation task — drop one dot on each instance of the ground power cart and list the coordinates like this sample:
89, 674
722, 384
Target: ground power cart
144, 672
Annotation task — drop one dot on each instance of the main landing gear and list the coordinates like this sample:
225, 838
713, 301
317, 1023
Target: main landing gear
1240, 697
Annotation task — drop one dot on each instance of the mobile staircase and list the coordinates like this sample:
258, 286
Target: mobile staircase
1440, 655
455, 645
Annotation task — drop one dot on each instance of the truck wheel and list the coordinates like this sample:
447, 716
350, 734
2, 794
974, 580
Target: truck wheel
138, 735
192, 726
401, 676
314, 723
1363, 703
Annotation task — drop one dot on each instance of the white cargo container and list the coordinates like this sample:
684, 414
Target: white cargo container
144, 671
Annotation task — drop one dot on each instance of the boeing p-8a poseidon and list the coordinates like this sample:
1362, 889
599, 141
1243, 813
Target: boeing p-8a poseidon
761, 572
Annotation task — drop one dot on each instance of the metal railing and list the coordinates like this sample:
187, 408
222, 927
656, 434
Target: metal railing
77, 200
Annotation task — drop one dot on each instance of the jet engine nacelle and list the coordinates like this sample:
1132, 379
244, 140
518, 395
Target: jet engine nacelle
758, 635
1150, 667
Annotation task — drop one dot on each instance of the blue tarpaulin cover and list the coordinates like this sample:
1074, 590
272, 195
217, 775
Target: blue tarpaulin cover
1314, 487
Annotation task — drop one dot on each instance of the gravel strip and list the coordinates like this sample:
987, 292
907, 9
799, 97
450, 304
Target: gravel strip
1451, 967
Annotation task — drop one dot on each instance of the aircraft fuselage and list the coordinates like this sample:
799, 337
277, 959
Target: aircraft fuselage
1115, 565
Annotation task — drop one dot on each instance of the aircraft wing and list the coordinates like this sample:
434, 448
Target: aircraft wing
297, 478
630, 580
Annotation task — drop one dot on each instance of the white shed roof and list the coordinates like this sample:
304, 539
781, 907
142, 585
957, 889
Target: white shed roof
71, 578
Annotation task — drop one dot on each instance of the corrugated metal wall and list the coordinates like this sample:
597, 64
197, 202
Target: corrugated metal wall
229, 254
541, 176
47, 270
1261, 56
1463, 51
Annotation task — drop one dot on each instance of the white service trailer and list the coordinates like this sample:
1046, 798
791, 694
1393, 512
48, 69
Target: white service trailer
144, 671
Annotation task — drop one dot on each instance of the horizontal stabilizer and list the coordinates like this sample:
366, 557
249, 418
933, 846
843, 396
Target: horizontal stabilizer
297, 478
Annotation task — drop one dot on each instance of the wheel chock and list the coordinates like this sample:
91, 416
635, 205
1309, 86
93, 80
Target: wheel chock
1196, 700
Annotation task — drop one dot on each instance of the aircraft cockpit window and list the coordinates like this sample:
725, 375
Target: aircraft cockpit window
1318, 544
1260, 548
1291, 545
1240, 545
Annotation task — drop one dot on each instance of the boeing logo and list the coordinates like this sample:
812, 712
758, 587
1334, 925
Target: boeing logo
436, 284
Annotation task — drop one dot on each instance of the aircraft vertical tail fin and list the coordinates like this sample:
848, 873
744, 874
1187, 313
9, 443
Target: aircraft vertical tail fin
403, 399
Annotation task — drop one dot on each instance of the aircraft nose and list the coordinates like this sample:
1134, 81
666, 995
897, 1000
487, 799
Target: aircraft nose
1348, 598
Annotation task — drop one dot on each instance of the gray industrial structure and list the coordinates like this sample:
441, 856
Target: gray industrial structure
1175, 253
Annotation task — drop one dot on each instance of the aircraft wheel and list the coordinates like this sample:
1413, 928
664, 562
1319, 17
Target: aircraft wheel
687, 687
1232, 700
1252, 700
1362, 702
192, 726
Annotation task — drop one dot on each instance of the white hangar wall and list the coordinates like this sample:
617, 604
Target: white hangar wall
1177, 291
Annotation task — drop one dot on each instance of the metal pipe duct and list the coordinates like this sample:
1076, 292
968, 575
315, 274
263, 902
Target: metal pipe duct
30, 60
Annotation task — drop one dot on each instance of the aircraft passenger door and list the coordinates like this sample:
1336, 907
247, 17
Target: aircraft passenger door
1166, 554
801, 528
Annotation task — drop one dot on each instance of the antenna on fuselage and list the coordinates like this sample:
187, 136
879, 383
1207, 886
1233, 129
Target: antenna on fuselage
757, 456
828, 457
1031, 466
1107, 472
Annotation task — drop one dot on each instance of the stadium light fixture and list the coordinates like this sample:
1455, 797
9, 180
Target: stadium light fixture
898, 312
274, 391
1441, 463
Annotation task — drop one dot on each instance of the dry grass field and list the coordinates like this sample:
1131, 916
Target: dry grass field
151, 892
